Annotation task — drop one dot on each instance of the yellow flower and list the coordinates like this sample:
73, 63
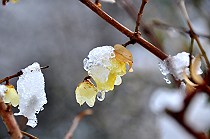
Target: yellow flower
114, 73
105, 65
11, 96
86, 92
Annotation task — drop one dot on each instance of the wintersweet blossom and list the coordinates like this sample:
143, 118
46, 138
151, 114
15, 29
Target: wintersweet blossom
105, 65
30, 87
86, 92
11, 95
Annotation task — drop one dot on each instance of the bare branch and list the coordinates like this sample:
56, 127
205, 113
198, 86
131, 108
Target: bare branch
28, 135
192, 33
139, 16
9, 120
179, 117
128, 6
181, 30
138, 39
76, 121
6, 79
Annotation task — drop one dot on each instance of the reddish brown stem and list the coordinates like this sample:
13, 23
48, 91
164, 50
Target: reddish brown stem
76, 121
148, 32
139, 16
9, 121
179, 117
150, 47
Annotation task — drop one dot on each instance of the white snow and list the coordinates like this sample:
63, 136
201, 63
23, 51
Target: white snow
3, 88
99, 56
176, 65
197, 115
110, 1
30, 87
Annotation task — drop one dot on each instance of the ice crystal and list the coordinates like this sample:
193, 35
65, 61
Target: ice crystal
176, 65
3, 88
110, 1
30, 87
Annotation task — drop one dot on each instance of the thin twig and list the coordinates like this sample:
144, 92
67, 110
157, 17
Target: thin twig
76, 121
6, 79
139, 16
191, 52
129, 7
140, 40
192, 33
181, 30
28, 135
9, 120
179, 117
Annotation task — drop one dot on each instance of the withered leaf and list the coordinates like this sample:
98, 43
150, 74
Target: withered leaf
123, 55
197, 78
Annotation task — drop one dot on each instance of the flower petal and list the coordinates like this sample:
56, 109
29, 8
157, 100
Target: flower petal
194, 68
123, 55
11, 96
86, 92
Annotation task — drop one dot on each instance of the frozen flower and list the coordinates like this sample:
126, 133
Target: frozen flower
86, 92
106, 65
11, 96
30, 87
177, 65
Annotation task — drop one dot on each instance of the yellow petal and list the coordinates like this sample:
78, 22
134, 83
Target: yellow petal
117, 67
11, 96
108, 85
197, 78
123, 55
14, 1
187, 80
86, 92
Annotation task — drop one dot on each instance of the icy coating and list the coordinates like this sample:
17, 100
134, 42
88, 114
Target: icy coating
110, 1
99, 56
3, 88
176, 65
97, 65
30, 87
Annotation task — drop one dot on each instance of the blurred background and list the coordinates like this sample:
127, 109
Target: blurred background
61, 34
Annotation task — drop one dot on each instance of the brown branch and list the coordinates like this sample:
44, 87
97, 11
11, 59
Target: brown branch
139, 16
76, 121
192, 32
181, 30
138, 39
129, 7
6, 79
9, 121
179, 117
28, 135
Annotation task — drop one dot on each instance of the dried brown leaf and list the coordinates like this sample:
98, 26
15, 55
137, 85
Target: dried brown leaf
123, 55
196, 78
